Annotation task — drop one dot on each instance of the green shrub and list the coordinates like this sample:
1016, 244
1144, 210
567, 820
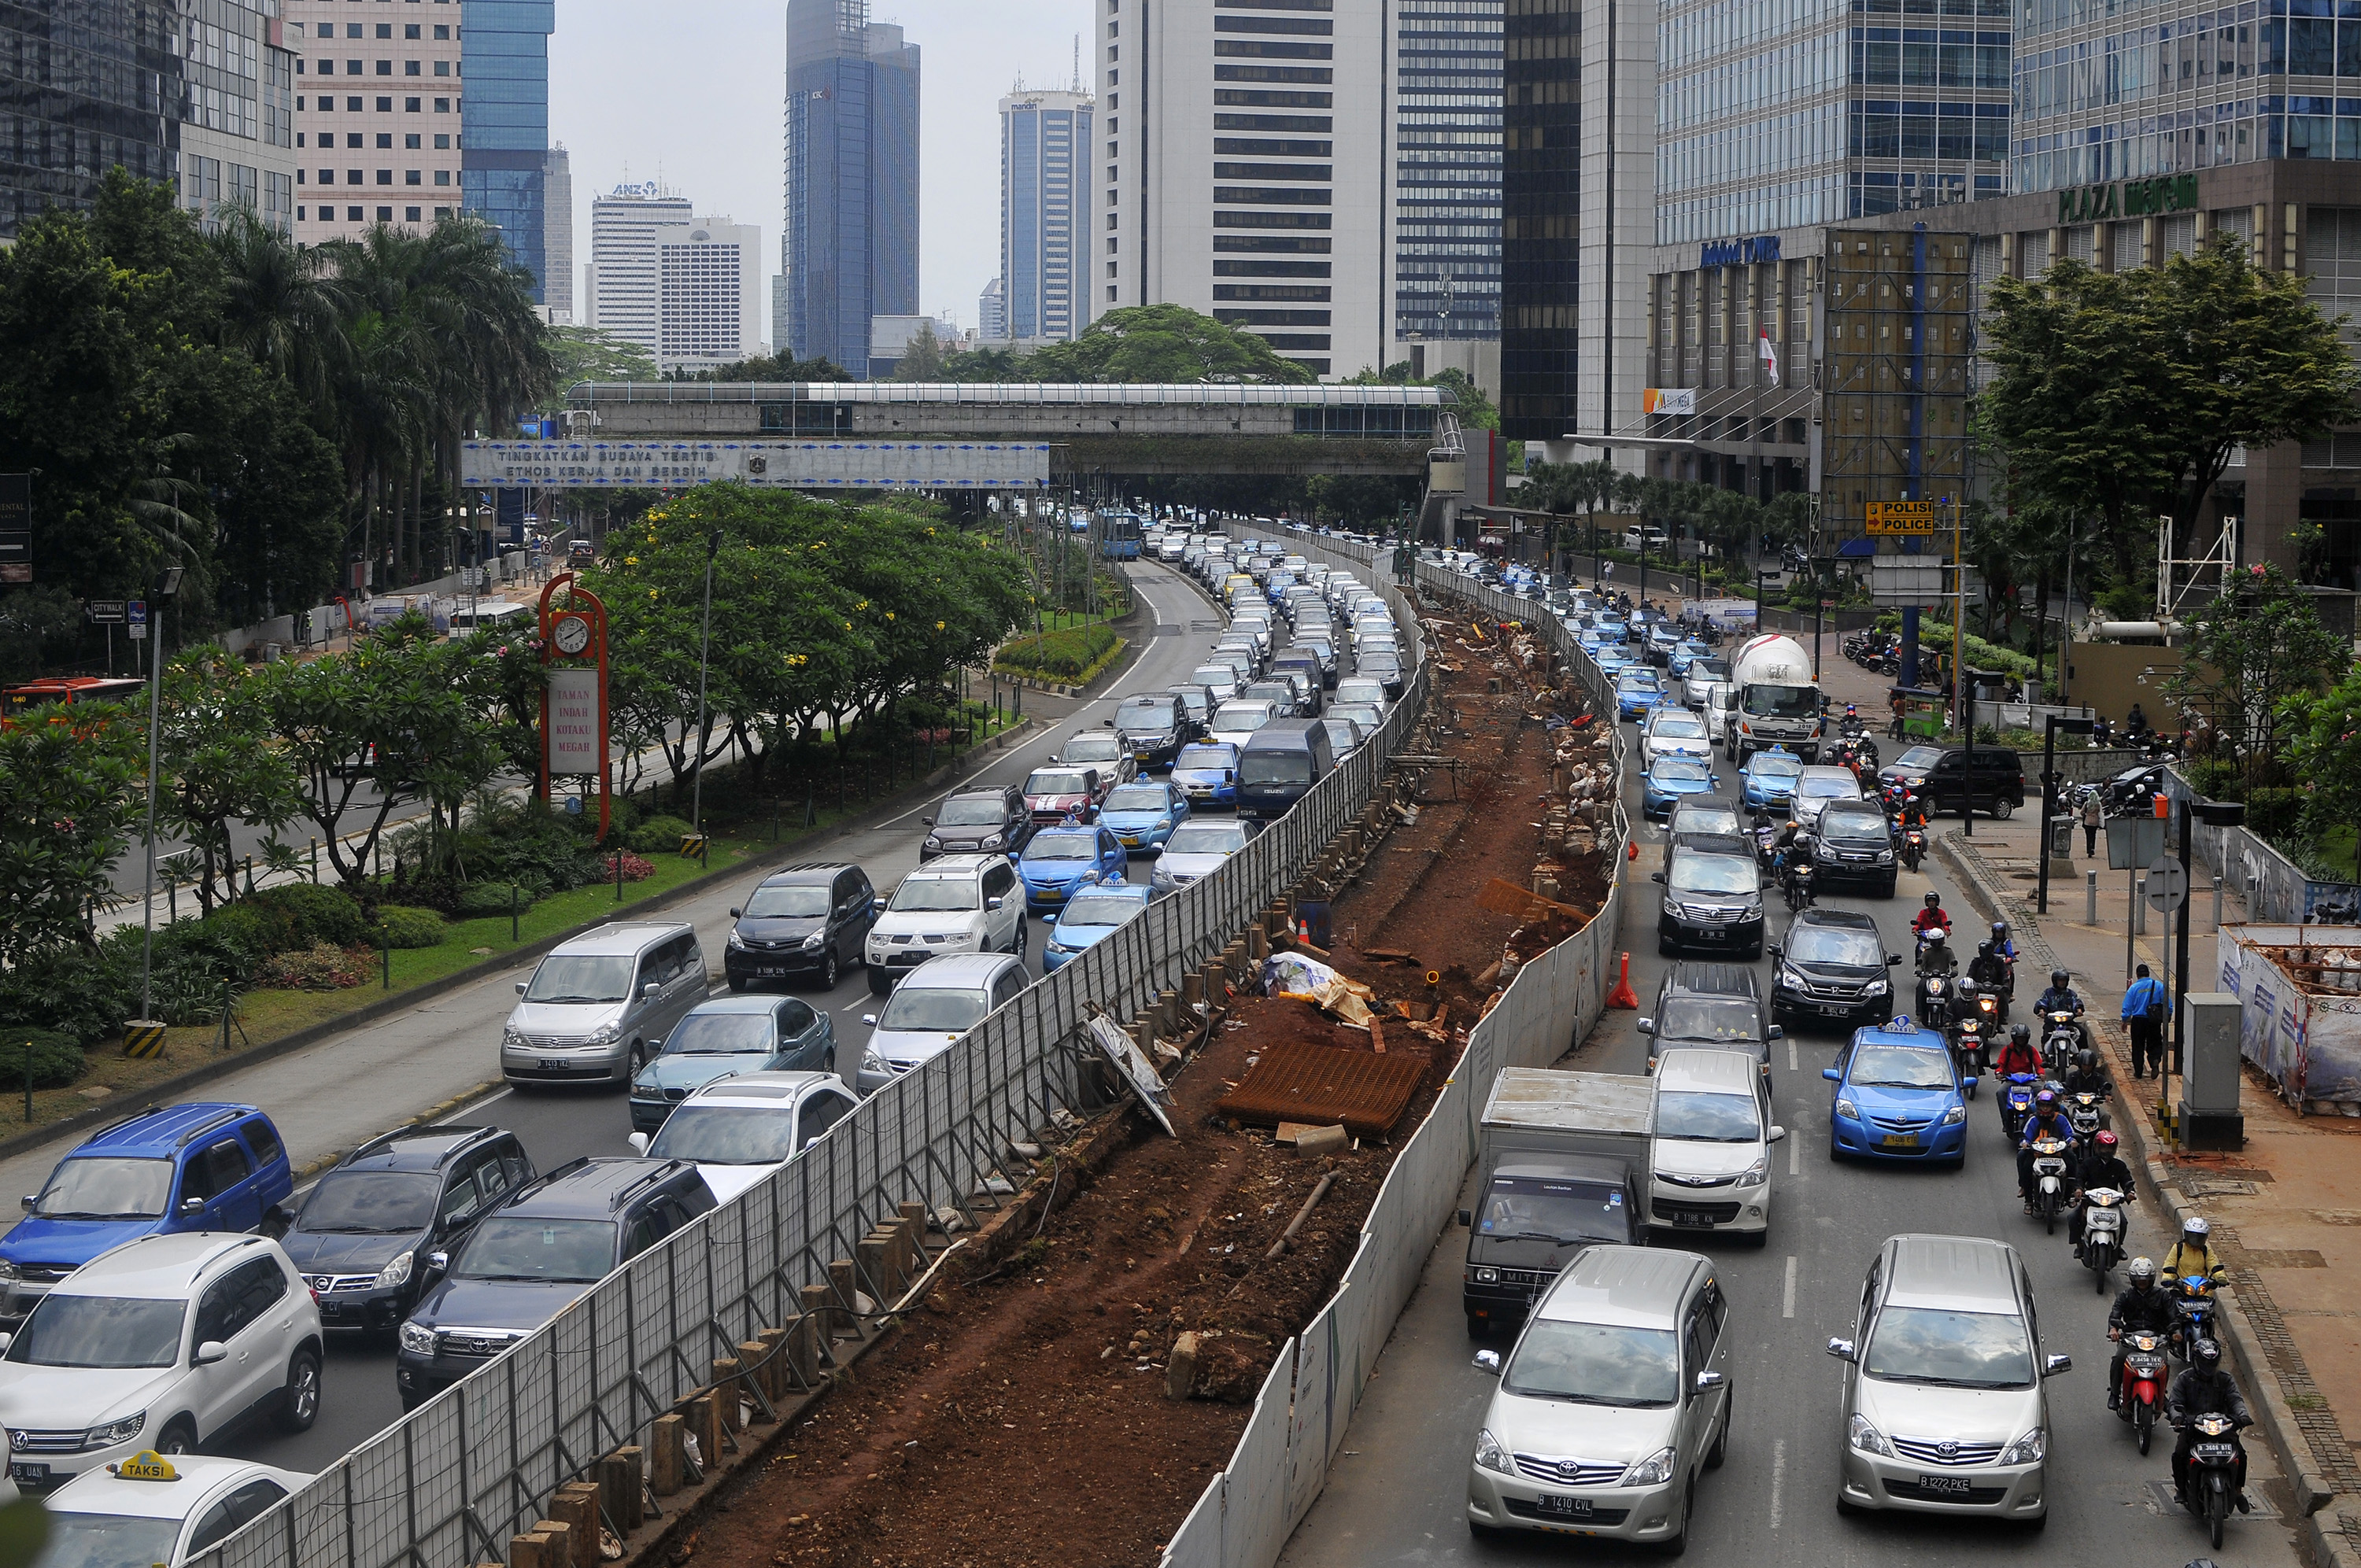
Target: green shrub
404, 928
2275, 812
75, 991
658, 835
481, 898
315, 914
57, 1059
1065, 653
250, 931
2216, 778
320, 967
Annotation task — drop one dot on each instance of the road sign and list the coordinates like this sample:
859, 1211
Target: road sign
103, 612
1899, 579
2168, 884
1903, 517
137, 613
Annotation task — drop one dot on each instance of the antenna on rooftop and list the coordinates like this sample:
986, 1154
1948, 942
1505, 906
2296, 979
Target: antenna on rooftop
1078, 62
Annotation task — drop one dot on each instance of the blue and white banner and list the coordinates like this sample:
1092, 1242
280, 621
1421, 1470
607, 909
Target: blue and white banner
788, 465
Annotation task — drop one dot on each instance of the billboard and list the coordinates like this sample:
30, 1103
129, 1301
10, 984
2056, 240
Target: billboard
785, 465
1668, 401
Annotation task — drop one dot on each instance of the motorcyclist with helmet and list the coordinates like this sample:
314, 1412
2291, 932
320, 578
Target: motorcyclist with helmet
2088, 1073
2192, 1255
2139, 1305
1932, 917
2002, 942
2018, 1055
2103, 1166
1989, 970
2202, 1387
2048, 1121
2062, 998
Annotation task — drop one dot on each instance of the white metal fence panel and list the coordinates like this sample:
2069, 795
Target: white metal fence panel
1254, 1518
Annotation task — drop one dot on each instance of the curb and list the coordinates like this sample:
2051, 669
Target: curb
400, 1001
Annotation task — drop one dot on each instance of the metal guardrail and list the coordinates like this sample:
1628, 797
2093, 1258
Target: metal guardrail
1247, 1513
450, 1483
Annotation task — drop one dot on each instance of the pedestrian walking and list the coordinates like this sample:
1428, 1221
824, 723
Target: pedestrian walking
2146, 1007
2094, 816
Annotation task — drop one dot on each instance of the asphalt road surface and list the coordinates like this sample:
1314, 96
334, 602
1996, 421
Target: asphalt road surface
1397, 1496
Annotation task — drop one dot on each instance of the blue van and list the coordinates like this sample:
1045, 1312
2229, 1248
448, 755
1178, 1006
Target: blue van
168, 1168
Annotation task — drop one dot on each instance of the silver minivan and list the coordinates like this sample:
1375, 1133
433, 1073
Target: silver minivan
597, 1005
1615, 1397
1944, 1406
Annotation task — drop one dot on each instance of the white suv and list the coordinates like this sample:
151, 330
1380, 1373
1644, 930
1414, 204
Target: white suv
953, 903
161, 1343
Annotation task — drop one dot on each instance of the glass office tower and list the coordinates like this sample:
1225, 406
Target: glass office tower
1042, 136
505, 119
1447, 169
85, 92
1540, 183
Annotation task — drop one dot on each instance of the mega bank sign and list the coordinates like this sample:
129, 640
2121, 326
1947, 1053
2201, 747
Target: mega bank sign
2128, 199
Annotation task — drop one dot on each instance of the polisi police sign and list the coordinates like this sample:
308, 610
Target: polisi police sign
1738, 252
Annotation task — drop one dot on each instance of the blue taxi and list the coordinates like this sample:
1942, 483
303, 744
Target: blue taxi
1143, 813
1060, 861
1090, 914
1636, 691
1767, 781
1207, 773
1897, 1097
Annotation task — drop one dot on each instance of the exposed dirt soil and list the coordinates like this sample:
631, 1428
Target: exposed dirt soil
1022, 1417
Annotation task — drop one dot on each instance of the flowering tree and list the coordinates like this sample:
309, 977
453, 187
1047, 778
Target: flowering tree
70, 797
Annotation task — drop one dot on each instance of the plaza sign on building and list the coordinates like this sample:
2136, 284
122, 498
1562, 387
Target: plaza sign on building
2128, 199
1738, 252
796, 465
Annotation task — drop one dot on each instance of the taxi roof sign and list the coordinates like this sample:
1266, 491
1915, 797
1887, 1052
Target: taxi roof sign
145, 1465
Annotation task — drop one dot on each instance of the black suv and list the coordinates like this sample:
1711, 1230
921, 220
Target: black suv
1712, 1006
986, 818
1832, 967
1997, 784
1711, 901
801, 922
1853, 843
534, 1257
365, 1233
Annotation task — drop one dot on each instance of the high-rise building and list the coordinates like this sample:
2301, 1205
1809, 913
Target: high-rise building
991, 312
237, 114
620, 286
1045, 149
1248, 170
709, 294
506, 63
1446, 192
557, 237
377, 117
850, 247
1541, 218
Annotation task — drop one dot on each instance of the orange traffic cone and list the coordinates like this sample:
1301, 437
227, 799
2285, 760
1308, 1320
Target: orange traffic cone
1623, 995
1631, 850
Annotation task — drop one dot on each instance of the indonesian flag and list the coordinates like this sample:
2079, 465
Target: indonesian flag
1769, 356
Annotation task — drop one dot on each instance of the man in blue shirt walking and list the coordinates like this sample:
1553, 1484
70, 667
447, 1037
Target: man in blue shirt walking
2146, 1007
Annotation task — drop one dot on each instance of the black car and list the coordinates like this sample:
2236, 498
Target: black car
530, 1259
1157, 725
1995, 783
985, 818
1713, 1007
1712, 901
1832, 967
1854, 844
804, 921
365, 1233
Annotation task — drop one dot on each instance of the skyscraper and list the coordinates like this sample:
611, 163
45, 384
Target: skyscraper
991, 312
376, 119
1540, 296
507, 125
558, 237
708, 293
1045, 142
1447, 180
84, 99
851, 247
621, 282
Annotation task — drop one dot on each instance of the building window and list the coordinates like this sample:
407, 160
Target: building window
442, 106
353, 214
352, 29
300, 216
354, 177
442, 213
352, 105
410, 30
410, 106
385, 105
442, 177
385, 68
385, 29
411, 139
442, 141
385, 176
352, 68
442, 30
411, 177
442, 68
410, 214
410, 68
385, 214
385, 139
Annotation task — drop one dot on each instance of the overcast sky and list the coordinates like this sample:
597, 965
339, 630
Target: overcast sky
691, 93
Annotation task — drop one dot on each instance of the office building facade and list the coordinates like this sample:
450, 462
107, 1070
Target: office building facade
1045, 141
377, 115
709, 294
1540, 294
620, 286
991, 312
557, 237
850, 245
505, 125
1445, 197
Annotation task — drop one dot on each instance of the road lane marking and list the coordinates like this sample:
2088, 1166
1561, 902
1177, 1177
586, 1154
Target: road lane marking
1793, 1065
1795, 1156
1778, 1476
1787, 1300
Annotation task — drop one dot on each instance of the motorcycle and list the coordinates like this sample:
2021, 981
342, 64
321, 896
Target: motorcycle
2060, 1039
1934, 1001
2193, 1311
2212, 1476
2102, 1230
1796, 880
1968, 1046
2016, 1103
2083, 1115
2049, 1181
1913, 847
2144, 1376
1935, 940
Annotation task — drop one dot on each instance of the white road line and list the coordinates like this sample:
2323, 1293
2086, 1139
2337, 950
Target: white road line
1787, 1300
1792, 1064
1778, 1478
1794, 1155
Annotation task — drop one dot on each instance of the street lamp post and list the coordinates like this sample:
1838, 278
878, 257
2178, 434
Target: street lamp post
2050, 727
704, 650
170, 587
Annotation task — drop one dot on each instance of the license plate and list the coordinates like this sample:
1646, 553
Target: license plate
772, 973
1560, 1507
1956, 1485
29, 1474
1692, 1218
549, 1065
1899, 1141
1130, 840
1833, 1009
1707, 934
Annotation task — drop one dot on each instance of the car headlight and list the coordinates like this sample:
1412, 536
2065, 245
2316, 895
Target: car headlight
8, 1275
1867, 1437
1876, 988
1884, 857
2026, 1450
814, 942
1490, 1455
1672, 909
1164, 822
872, 1062
395, 1273
736, 943
1756, 1174
1955, 1115
417, 1339
1824, 850
646, 1089
1652, 1471
114, 1432
510, 1040
991, 841
933, 842
1488, 1276
1791, 979
604, 1035
1848, 1111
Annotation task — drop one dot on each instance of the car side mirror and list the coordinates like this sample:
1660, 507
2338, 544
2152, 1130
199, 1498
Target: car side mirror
1776, 952
1967, 1083
29, 1201
1776, 1135
192, 1205
736, 914
1832, 1075
1489, 1361
1647, 1026
650, 989
438, 1261
991, 904
1656, 876
927, 821
2051, 1366
1467, 1219
1842, 1349
520, 985
212, 1350
1892, 959
811, 1143
870, 1019
1775, 1032
876, 907
5, 1341
1706, 1381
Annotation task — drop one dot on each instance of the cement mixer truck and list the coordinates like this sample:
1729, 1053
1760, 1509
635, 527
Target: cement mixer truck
1778, 703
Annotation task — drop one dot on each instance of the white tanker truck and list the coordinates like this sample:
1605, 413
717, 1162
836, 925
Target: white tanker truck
1778, 705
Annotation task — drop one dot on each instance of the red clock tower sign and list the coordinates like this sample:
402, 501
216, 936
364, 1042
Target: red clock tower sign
573, 728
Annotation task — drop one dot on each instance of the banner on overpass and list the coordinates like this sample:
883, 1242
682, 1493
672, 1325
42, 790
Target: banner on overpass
785, 465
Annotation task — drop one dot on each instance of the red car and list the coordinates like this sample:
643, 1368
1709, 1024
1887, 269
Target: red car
1056, 794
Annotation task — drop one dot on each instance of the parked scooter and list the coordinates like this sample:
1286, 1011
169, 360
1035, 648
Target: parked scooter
2102, 1230
2145, 1372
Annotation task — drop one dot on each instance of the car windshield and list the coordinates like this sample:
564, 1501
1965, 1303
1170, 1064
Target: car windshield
1272, 765
722, 1033
1370, 692
1774, 765
792, 900
973, 811
1362, 713
1217, 676
1207, 839
1089, 747
1815, 944
1782, 702
1045, 781
1592, 1364
933, 894
371, 1202
1681, 770
1636, 680
107, 1540
934, 1011
726, 1135
1686, 726
1138, 797
99, 1332
1723, 1020
1688, 1117
581, 977
1920, 757
1949, 1349
1146, 715
1235, 717
1099, 909
1839, 823
1704, 819
1534, 1208
1714, 873
1901, 1067
1827, 789
1211, 759
522, 1248
106, 1188
1063, 846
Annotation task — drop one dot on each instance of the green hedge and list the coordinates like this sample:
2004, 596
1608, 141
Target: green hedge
481, 898
1059, 654
405, 927
658, 835
57, 1059
313, 914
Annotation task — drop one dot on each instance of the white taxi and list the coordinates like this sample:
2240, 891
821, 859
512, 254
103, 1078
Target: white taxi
153, 1509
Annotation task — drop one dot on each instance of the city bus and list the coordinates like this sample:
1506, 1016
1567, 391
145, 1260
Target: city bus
1119, 536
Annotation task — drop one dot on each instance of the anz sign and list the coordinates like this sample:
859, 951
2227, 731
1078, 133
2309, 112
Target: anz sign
1740, 252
